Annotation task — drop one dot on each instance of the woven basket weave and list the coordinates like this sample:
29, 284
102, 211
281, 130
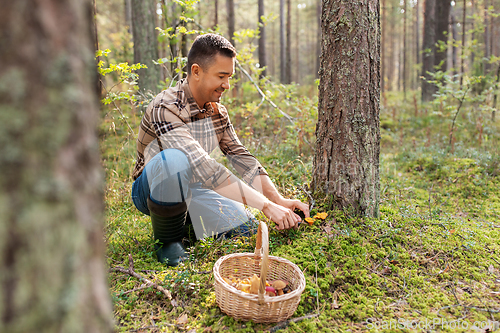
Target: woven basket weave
259, 308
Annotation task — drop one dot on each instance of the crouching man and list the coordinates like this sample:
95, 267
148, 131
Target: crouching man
175, 173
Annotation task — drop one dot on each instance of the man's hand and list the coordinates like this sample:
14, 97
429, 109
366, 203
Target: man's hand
284, 217
294, 204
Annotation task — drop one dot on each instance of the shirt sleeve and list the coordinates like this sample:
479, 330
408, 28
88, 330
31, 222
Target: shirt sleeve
245, 163
174, 133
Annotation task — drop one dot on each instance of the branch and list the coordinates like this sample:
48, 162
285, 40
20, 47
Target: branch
148, 283
262, 93
118, 108
285, 323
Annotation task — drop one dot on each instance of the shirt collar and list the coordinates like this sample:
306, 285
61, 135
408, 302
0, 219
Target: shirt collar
194, 108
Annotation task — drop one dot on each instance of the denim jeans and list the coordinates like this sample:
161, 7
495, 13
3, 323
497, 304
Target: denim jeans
166, 181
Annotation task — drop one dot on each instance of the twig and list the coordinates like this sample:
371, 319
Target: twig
135, 289
461, 101
118, 109
285, 323
468, 307
430, 210
311, 200
130, 271
262, 93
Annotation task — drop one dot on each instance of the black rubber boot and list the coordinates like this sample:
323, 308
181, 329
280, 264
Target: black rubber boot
168, 228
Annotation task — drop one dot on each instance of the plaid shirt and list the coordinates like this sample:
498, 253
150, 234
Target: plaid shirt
174, 120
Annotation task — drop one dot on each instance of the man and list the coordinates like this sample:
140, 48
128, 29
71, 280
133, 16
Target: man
174, 170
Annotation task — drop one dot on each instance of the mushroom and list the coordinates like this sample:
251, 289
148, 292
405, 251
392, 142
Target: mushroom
270, 291
254, 284
279, 285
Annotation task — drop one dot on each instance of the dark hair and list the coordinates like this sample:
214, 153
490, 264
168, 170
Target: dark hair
204, 49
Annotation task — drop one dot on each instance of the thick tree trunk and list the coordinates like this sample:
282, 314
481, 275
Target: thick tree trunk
230, 20
146, 43
428, 50
282, 43
346, 162
262, 39
52, 271
442, 17
454, 55
383, 50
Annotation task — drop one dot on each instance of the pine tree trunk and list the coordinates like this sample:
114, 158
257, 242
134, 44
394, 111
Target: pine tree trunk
383, 48
282, 43
262, 39
442, 17
464, 31
216, 14
288, 55
428, 50
404, 50
230, 20
145, 43
52, 270
128, 14
346, 162
319, 36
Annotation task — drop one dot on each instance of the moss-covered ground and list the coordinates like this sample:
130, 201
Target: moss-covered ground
430, 263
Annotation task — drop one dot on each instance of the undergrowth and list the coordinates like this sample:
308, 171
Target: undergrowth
433, 257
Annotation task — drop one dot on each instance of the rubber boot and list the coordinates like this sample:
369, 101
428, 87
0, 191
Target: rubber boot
168, 228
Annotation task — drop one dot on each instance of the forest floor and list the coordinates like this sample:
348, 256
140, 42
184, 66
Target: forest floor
431, 262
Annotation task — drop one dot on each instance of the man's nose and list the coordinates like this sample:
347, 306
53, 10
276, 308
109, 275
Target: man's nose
226, 84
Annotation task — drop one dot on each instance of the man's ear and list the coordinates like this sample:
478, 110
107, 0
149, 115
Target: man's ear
195, 70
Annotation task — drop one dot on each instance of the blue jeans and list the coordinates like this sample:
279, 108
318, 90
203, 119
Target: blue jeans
165, 180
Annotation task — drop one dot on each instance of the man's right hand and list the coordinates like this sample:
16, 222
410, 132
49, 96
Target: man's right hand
283, 217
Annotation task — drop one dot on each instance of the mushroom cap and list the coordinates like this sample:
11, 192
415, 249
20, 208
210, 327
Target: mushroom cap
279, 284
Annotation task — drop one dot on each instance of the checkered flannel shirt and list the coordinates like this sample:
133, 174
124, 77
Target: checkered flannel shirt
174, 120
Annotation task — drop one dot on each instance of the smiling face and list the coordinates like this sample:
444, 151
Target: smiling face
208, 84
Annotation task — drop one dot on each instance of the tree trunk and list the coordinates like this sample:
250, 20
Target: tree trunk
319, 36
282, 43
230, 20
346, 161
128, 15
487, 28
442, 17
146, 43
454, 54
216, 13
52, 270
383, 48
262, 39
417, 32
464, 31
404, 50
428, 50
288, 55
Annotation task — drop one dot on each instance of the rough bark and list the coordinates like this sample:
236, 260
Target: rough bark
428, 50
230, 20
146, 43
318, 43
52, 271
262, 39
346, 161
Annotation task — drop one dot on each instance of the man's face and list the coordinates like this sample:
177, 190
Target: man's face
214, 80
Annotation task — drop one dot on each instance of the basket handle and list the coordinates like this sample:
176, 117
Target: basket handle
262, 250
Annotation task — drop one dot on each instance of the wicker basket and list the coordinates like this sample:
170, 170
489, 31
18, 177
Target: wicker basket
259, 308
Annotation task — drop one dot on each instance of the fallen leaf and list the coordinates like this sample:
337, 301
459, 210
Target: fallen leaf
328, 229
174, 302
386, 271
491, 269
309, 220
182, 320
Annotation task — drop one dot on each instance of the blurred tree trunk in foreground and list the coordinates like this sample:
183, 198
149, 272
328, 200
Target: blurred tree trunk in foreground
146, 43
346, 161
52, 271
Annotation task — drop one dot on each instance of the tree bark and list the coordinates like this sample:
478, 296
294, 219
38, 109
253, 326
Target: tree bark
282, 43
383, 52
52, 270
230, 20
404, 51
146, 43
262, 39
428, 50
216, 13
319, 36
288, 55
128, 14
346, 161
464, 31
